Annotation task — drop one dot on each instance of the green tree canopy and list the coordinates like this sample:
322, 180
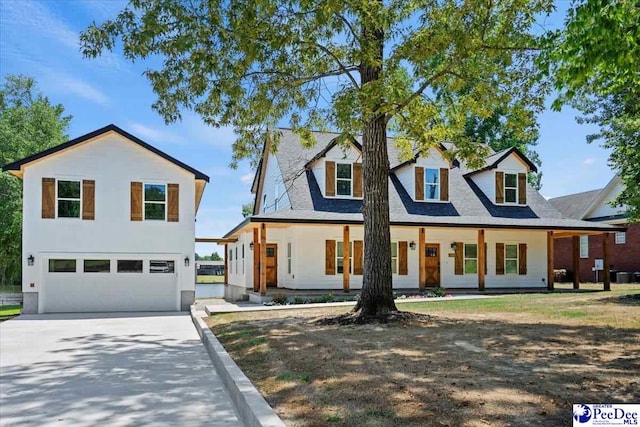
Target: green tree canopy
419, 68
29, 123
595, 66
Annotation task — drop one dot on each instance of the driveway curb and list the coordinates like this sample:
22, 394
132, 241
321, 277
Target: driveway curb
252, 409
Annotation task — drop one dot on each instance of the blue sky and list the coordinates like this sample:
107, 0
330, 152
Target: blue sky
40, 39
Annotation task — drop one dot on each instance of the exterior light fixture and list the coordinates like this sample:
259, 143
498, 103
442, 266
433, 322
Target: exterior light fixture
454, 246
186, 261
251, 246
412, 245
30, 260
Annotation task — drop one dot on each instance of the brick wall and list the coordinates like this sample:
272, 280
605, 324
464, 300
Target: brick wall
624, 257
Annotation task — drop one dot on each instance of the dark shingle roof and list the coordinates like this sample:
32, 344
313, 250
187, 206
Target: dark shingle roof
574, 205
468, 205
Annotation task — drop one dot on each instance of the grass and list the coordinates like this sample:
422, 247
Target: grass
510, 360
210, 279
9, 311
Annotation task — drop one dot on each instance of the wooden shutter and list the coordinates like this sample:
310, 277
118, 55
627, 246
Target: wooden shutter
330, 178
444, 184
330, 257
88, 199
173, 202
499, 187
459, 259
403, 268
357, 180
522, 188
419, 183
522, 258
499, 259
136, 201
358, 252
48, 197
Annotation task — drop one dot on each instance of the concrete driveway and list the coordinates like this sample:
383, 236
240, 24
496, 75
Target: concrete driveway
108, 369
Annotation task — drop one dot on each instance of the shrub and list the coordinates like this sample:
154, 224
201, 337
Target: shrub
298, 300
280, 299
327, 298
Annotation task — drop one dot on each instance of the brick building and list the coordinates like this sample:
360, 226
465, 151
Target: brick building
624, 247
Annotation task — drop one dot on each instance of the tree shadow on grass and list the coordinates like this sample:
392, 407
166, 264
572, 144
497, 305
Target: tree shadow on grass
444, 372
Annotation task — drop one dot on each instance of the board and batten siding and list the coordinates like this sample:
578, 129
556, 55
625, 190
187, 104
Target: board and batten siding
113, 163
309, 253
274, 188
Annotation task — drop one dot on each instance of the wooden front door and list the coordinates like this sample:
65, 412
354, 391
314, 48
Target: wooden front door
432, 264
272, 265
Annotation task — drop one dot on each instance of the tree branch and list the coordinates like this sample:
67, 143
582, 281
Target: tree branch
418, 92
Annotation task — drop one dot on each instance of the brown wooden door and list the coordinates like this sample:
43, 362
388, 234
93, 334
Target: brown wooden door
272, 264
432, 264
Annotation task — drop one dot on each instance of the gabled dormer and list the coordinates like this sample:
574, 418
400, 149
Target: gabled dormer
338, 170
426, 176
503, 179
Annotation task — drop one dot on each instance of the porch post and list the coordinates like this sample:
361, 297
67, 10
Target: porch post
576, 262
263, 259
421, 272
256, 260
481, 260
345, 259
550, 277
226, 265
605, 252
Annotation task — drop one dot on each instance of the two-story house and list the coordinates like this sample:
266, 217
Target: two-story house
108, 225
579, 257
451, 226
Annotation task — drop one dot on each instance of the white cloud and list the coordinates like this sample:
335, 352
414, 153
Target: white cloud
146, 132
82, 89
588, 161
247, 178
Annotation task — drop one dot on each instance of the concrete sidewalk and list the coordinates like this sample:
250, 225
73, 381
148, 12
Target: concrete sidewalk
108, 369
213, 306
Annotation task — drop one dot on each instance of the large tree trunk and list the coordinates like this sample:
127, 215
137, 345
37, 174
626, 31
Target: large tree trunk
376, 296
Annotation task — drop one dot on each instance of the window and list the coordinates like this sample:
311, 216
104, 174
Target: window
69, 199
394, 257
243, 258
97, 266
155, 201
432, 184
621, 237
237, 259
230, 263
584, 246
343, 179
340, 257
129, 266
157, 266
511, 259
62, 266
470, 258
510, 187
289, 258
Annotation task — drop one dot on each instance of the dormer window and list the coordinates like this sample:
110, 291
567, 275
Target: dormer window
510, 187
343, 179
432, 184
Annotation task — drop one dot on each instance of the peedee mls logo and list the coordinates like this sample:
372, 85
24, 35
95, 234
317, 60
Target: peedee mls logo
586, 415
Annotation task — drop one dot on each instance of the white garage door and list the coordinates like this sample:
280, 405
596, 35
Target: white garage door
97, 284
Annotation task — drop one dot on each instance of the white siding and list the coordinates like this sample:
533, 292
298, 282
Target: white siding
603, 208
486, 180
113, 162
308, 260
406, 175
274, 188
336, 154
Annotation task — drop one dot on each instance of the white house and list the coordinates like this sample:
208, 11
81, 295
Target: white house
108, 225
451, 226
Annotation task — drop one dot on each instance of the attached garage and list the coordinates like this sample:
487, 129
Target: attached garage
99, 283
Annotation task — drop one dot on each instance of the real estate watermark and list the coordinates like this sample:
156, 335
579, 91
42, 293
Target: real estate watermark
605, 414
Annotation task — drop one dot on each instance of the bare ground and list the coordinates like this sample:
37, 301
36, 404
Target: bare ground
492, 365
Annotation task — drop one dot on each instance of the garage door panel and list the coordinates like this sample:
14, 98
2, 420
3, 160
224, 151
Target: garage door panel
87, 292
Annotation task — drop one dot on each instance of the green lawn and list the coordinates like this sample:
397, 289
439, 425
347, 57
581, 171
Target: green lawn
210, 279
9, 311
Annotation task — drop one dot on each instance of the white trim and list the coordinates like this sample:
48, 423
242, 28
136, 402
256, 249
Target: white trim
517, 258
584, 244
464, 259
79, 180
620, 237
144, 201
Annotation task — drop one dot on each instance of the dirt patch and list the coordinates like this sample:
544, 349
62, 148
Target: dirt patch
460, 368
390, 317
